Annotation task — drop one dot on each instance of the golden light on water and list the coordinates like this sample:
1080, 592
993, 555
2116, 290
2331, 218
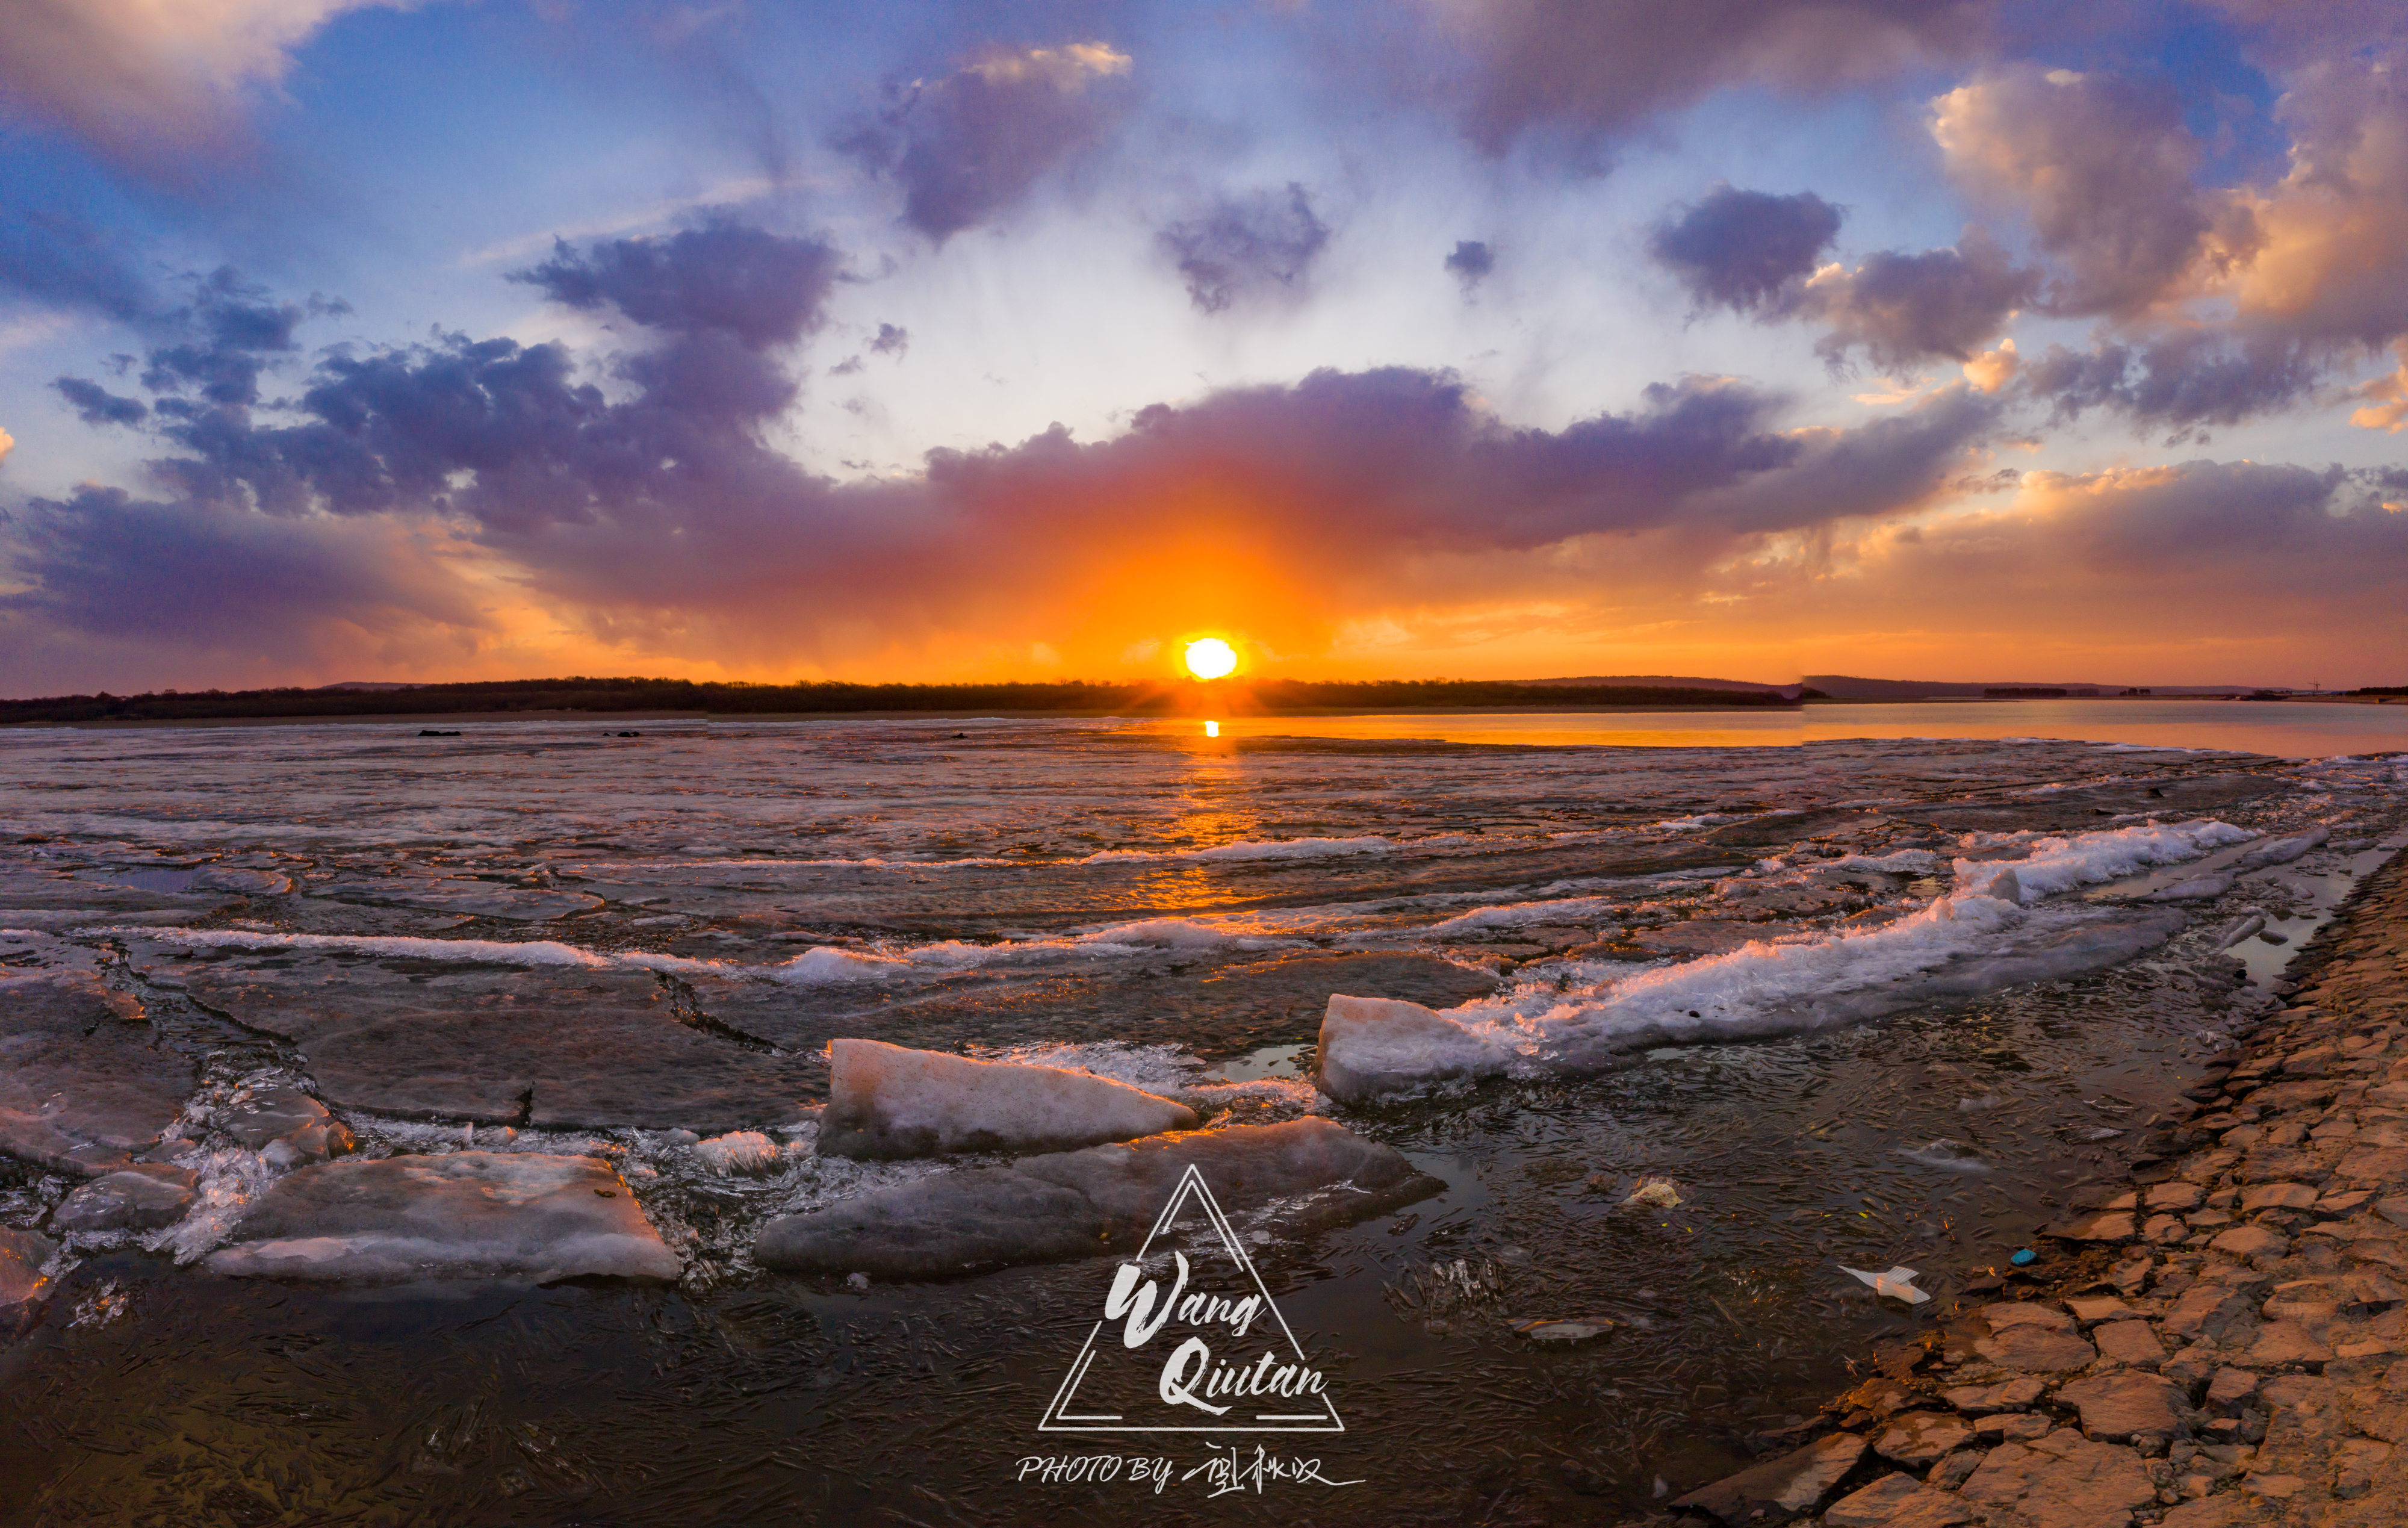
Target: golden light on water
1209, 658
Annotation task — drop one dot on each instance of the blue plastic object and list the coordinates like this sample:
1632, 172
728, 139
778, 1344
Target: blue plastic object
2023, 1257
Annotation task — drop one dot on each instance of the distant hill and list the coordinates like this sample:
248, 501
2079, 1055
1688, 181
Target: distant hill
1850, 687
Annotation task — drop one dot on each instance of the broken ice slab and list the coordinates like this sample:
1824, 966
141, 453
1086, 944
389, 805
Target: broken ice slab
1958, 947
885, 1101
1373, 1045
143, 1196
84, 1083
2282, 851
1091, 1203
564, 1047
286, 1126
519, 1217
23, 1255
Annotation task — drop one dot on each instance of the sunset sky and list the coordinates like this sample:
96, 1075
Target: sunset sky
482, 338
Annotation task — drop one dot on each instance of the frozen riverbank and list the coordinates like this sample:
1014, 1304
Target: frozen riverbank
2223, 1340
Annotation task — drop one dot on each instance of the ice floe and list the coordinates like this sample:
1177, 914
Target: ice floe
572, 1049
1091, 1203
2056, 865
1958, 946
285, 1126
471, 1215
886, 1102
84, 1082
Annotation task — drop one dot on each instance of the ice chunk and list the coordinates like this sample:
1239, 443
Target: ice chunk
2238, 929
1374, 1045
2062, 864
1958, 946
472, 1215
1951, 1155
1898, 1283
2282, 850
1983, 879
286, 1127
140, 1196
1090, 1202
84, 1083
886, 1102
23, 1255
738, 1151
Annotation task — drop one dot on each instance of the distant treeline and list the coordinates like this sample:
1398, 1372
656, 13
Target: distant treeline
622, 695
1382, 694
2382, 689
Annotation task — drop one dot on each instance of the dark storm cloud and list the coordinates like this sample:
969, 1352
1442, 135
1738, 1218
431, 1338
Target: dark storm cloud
1904, 310
232, 332
968, 147
1245, 246
1741, 250
759, 288
95, 405
1591, 71
1471, 261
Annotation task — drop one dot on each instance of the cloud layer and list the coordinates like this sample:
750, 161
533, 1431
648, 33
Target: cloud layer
1230, 248
968, 147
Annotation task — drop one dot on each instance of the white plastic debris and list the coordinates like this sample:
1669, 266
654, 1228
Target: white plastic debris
1656, 1193
1898, 1283
1573, 1329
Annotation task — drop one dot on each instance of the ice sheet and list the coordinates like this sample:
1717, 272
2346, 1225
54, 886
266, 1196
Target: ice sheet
1957, 947
2058, 865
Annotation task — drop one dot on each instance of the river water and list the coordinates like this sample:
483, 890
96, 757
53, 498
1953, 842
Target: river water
1157, 904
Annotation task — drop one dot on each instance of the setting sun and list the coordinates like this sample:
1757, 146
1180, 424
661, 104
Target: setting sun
1209, 658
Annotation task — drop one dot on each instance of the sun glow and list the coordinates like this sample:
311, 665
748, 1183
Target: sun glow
1209, 658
